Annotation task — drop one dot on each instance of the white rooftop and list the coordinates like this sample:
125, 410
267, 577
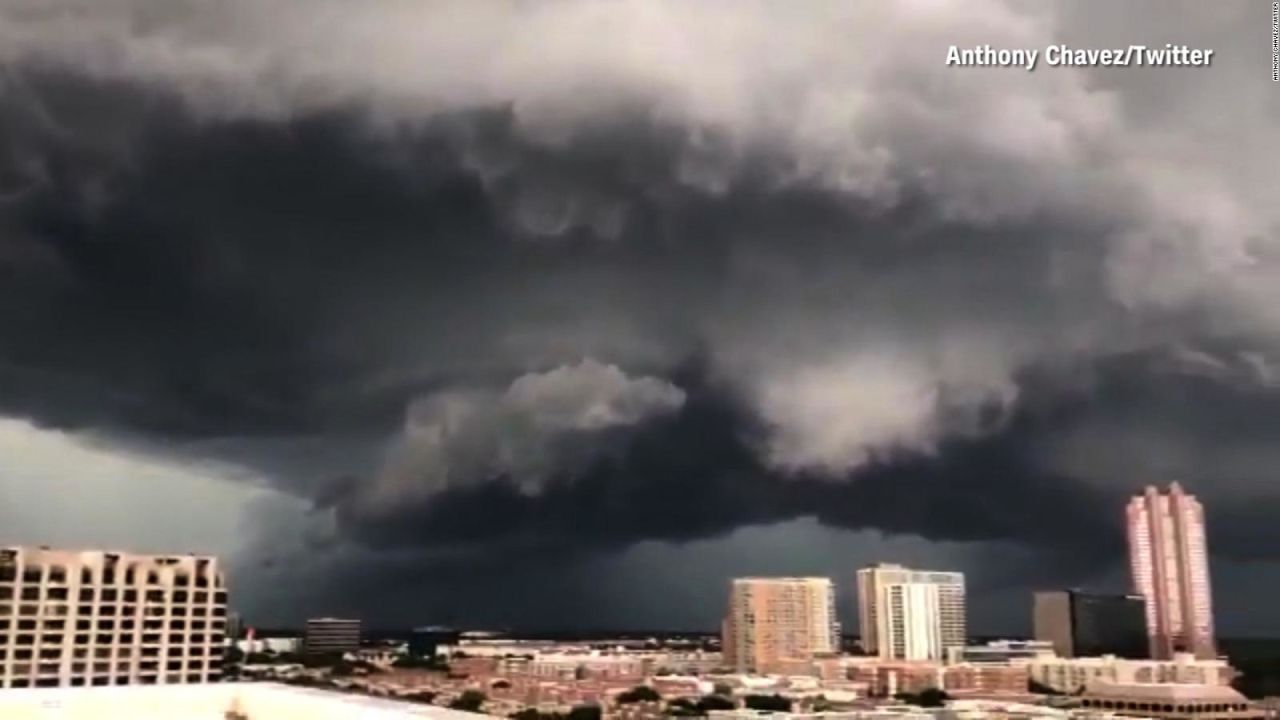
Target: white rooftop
265, 701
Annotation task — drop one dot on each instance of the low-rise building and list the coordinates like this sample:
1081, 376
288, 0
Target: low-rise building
1171, 701
984, 679
1069, 675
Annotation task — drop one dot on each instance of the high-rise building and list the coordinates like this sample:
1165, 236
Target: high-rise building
1170, 565
910, 614
1081, 624
331, 635
75, 618
775, 621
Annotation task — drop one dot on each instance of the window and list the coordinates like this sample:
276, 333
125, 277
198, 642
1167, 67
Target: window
130, 596
86, 576
30, 593
102, 653
151, 639
195, 678
108, 595
6, 592
52, 625
8, 573
180, 596
24, 640
31, 575
177, 624
220, 597
50, 653
26, 624
106, 624
57, 574
84, 624
29, 610
104, 639
126, 624
156, 596
57, 593
106, 609
182, 580
173, 665
175, 639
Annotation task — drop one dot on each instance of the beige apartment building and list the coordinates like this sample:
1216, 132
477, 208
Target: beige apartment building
907, 614
93, 618
776, 623
1170, 566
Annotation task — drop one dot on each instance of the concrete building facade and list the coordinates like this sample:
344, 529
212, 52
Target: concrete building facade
777, 622
331, 635
93, 618
907, 614
1169, 563
1070, 675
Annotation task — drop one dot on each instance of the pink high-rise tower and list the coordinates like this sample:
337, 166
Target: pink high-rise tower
1170, 564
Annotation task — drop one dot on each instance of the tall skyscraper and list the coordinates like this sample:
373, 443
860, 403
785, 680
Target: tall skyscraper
1081, 624
1170, 565
774, 621
80, 618
910, 614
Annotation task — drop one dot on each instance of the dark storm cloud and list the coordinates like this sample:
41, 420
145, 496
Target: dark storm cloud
577, 298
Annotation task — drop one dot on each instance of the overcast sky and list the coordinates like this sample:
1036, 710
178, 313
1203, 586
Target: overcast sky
560, 314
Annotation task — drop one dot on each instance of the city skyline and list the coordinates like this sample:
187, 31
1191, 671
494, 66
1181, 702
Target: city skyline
407, 309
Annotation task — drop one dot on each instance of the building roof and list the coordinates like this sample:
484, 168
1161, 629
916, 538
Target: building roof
200, 701
1166, 692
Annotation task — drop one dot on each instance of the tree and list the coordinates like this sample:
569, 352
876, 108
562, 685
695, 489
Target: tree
422, 696
707, 703
929, 697
774, 703
683, 707
1040, 688
585, 712
469, 701
501, 685
639, 693
723, 689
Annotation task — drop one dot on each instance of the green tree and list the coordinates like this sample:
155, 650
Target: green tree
723, 689
585, 712
773, 703
932, 697
683, 707
422, 696
707, 703
469, 701
639, 693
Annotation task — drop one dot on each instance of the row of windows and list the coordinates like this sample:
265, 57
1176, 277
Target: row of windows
80, 681
55, 643
26, 669
1158, 707
7, 592
148, 611
58, 576
108, 624
105, 653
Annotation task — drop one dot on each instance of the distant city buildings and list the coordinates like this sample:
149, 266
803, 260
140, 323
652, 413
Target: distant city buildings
1170, 567
773, 622
907, 614
331, 635
93, 618
1081, 624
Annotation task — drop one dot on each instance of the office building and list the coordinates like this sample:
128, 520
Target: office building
1170, 567
75, 618
907, 614
331, 635
1081, 624
774, 622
